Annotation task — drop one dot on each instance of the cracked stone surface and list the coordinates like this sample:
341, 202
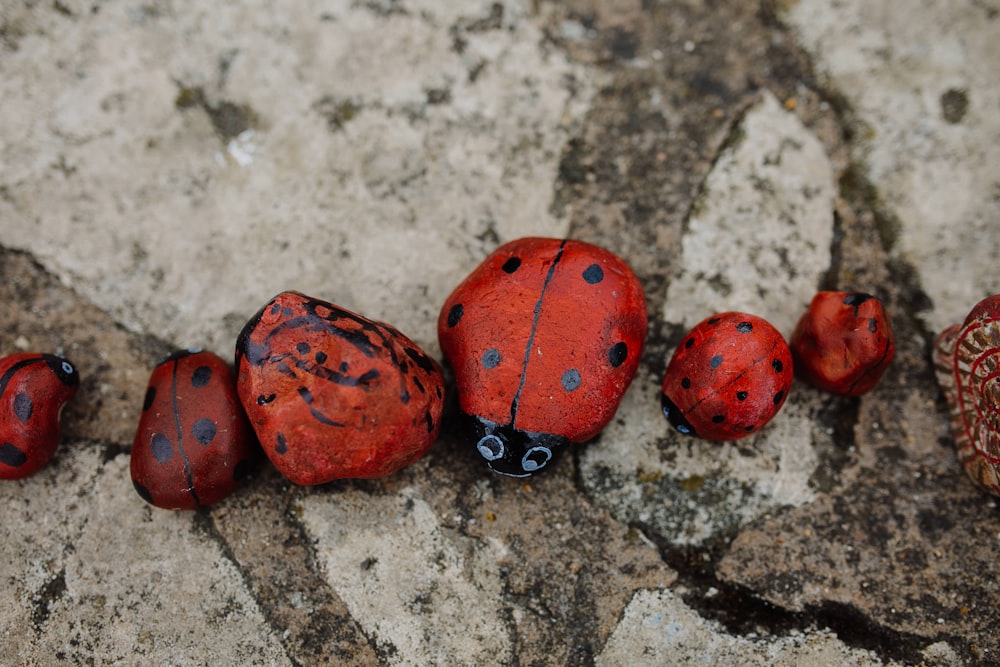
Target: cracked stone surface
259, 150
425, 593
767, 209
923, 102
165, 170
669, 633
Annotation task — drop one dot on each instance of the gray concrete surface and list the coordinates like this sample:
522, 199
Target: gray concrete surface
166, 168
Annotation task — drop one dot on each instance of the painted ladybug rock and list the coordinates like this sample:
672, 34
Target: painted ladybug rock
843, 343
967, 363
334, 395
727, 378
544, 338
193, 446
33, 390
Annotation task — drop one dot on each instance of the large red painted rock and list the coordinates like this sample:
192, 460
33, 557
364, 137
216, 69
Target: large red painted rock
334, 395
544, 337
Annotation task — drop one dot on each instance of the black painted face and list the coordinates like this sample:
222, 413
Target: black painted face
674, 416
63, 369
512, 452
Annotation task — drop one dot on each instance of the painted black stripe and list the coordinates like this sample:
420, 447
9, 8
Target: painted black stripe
323, 419
307, 396
180, 436
771, 352
534, 328
6, 378
876, 367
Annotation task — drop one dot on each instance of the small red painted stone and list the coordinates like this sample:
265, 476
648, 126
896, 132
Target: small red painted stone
33, 390
334, 395
728, 377
193, 446
843, 343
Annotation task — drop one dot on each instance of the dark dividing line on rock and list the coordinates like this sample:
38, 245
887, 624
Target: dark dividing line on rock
534, 329
734, 606
204, 522
741, 613
858, 631
830, 279
180, 434
49, 593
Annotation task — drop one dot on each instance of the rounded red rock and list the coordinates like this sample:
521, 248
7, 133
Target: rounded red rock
544, 337
193, 446
33, 390
843, 343
334, 395
728, 377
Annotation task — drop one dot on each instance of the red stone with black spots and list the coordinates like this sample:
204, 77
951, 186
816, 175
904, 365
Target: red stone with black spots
728, 377
193, 446
33, 390
544, 338
334, 395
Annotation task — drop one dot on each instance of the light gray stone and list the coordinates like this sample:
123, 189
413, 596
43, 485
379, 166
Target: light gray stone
422, 591
351, 152
758, 241
105, 578
658, 629
922, 91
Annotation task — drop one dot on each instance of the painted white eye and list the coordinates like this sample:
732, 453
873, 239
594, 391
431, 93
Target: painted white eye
536, 458
490, 447
67, 368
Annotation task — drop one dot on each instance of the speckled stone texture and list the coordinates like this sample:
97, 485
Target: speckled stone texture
165, 169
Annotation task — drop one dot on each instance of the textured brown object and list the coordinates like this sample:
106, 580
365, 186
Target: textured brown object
967, 362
